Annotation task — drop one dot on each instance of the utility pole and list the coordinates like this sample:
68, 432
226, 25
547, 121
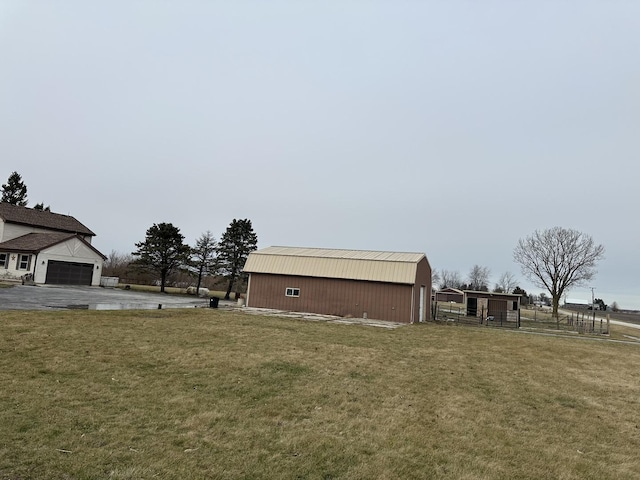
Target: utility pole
593, 305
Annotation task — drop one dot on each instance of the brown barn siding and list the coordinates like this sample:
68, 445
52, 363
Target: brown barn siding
423, 277
383, 301
449, 297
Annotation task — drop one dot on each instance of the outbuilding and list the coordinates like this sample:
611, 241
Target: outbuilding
390, 286
500, 306
449, 295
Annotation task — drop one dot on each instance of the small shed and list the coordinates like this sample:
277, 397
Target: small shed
450, 295
391, 286
502, 306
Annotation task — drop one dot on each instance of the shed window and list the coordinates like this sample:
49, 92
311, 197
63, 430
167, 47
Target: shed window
292, 292
4, 260
24, 262
515, 305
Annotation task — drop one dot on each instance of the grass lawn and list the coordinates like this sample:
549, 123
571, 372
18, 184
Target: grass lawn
204, 393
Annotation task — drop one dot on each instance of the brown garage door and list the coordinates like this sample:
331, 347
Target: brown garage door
497, 308
69, 273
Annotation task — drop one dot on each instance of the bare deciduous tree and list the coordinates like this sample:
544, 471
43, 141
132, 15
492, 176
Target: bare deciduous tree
116, 264
435, 278
506, 283
450, 279
558, 259
479, 278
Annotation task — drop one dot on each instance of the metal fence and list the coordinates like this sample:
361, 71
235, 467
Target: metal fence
579, 322
576, 322
459, 316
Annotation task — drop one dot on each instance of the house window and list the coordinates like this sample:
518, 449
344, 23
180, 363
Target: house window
24, 262
4, 260
292, 292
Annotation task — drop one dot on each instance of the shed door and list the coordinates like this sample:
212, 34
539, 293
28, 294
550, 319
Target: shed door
69, 273
497, 308
472, 307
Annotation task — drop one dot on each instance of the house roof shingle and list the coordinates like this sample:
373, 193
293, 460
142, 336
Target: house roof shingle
39, 218
36, 242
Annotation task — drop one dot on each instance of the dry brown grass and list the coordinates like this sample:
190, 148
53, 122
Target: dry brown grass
216, 394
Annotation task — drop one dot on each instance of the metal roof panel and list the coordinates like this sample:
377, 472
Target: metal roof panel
392, 267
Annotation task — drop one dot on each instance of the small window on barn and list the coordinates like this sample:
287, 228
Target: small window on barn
515, 305
292, 292
4, 260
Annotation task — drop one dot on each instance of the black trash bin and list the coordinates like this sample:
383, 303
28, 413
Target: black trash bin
213, 302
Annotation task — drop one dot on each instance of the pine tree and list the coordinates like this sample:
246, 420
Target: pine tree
162, 251
204, 256
236, 244
15, 191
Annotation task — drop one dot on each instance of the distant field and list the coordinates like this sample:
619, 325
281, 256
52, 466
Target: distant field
205, 393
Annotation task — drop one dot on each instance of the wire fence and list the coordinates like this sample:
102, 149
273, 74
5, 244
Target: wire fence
518, 319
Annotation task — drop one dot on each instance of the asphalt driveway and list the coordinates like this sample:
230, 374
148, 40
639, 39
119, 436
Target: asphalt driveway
50, 297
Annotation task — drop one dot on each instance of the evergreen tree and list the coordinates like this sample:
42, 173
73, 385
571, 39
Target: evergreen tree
162, 251
235, 245
204, 256
40, 206
15, 191
524, 297
600, 302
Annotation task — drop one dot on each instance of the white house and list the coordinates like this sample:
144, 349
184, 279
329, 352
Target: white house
47, 247
576, 303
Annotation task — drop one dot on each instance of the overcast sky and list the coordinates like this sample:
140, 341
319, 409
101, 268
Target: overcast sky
452, 128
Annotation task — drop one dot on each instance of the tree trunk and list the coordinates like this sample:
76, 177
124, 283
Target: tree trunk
230, 287
555, 302
199, 280
163, 278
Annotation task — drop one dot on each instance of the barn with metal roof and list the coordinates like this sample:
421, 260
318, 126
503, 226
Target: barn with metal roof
391, 286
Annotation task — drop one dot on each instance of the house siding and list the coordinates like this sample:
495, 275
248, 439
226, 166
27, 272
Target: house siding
72, 250
332, 296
